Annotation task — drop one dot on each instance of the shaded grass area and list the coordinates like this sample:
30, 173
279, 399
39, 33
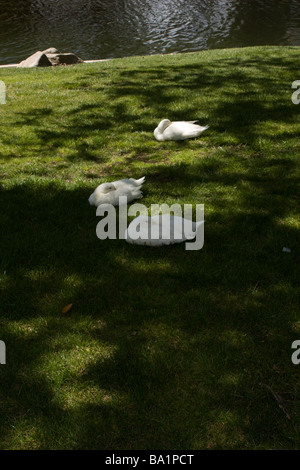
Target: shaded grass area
163, 348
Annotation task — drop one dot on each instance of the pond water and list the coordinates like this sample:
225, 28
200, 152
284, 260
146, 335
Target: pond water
100, 29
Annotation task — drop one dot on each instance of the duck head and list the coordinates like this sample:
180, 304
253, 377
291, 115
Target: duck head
163, 125
158, 132
107, 188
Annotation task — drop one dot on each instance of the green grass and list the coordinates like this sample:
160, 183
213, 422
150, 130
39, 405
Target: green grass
163, 348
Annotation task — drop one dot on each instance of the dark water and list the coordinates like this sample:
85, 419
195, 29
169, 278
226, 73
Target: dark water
96, 29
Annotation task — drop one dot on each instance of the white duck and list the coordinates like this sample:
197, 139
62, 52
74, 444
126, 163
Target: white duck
177, 130
109, 193
161, 229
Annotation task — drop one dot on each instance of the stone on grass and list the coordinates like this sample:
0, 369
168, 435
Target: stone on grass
51, 50
38, 59
64, 59
50, 56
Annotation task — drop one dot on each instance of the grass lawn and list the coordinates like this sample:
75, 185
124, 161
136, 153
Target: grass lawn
163, 348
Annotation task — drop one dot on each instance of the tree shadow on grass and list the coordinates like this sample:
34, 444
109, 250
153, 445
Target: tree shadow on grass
186, 339
179, 92
192, 335
131, 102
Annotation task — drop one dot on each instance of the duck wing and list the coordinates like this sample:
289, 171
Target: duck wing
138, 182
180, 130
129, 184
190, 129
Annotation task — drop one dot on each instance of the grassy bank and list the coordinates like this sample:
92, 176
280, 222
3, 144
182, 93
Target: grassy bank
163, 348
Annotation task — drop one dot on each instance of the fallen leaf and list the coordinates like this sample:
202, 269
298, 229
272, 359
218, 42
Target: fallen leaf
66, 309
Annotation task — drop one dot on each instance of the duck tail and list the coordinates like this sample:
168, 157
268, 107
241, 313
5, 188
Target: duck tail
140, 181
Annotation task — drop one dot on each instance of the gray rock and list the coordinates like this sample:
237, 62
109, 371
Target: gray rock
39, 59
51, 50
48, 57
64, 59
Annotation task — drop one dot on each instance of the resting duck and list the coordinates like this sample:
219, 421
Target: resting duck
161, 229
109, 193
177, 130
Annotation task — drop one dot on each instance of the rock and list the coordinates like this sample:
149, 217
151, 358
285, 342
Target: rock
51, 50
48, 57
39, 59
63, 59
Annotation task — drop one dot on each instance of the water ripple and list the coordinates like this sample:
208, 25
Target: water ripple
116, 28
